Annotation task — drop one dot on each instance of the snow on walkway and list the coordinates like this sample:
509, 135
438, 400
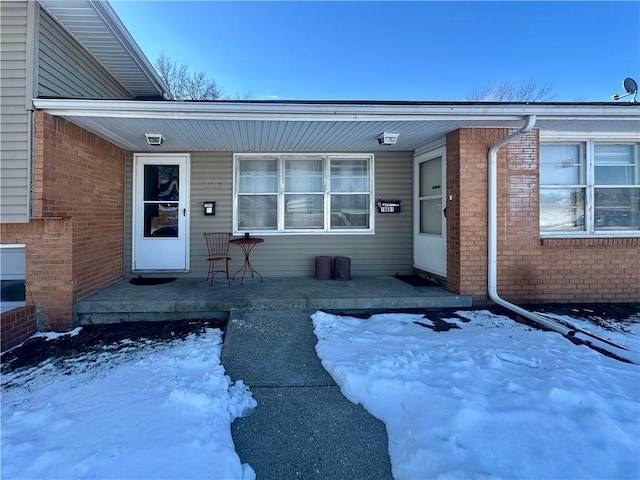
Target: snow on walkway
493, 399
153, 412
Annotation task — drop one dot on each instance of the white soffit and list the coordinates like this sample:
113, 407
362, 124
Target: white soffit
319, 126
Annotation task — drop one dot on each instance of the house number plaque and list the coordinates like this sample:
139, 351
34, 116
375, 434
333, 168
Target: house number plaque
389, 206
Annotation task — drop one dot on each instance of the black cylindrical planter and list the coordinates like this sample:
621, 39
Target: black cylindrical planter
324, 268
342, 268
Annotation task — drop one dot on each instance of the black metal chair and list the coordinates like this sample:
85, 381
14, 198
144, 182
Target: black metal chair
217, 251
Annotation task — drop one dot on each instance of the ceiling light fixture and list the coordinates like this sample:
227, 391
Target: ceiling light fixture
388, 138
154, 139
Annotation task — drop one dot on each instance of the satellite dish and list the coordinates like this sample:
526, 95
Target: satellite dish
631, 87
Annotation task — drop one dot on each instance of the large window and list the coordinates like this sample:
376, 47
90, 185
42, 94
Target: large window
306, 193
590, 188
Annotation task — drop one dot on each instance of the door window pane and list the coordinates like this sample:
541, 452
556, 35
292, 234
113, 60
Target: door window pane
161, 220
431, 178
161, 183
561, 209
431, 216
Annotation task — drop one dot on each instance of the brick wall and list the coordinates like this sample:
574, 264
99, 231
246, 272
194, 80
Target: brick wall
82, 177
75, 241
467, 212
16, 326
530, 269
454, 269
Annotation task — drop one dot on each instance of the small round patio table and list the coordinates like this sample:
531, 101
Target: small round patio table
246, 244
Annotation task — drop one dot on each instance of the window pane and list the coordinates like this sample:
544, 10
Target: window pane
258, 176
12, 263
304, 211
349, 211
615, 175
562, 209
257, 212
613, 154
160, 219
12, 291
303, 176
615, 165
560, 165
350, 175
161, 183
617, 208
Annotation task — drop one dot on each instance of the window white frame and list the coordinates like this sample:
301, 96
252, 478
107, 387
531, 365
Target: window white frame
587, 151
326, 192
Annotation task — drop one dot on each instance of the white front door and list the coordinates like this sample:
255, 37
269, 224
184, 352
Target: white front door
160, 216
429, 223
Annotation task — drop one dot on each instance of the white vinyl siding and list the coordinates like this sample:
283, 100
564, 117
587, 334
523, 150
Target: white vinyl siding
590, 188
387, 252
14, 117
303, 193
67, 69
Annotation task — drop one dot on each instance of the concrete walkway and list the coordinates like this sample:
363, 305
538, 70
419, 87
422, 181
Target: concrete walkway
303, 427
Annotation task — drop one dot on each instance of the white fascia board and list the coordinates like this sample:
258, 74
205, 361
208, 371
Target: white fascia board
327, 111
551, 136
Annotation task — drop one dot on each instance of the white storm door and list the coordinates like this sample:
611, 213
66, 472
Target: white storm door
160, 216
429, 226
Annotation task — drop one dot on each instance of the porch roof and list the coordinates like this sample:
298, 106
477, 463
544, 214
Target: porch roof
325, 125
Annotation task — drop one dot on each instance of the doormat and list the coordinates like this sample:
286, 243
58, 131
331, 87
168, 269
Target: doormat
150, 281
416, 281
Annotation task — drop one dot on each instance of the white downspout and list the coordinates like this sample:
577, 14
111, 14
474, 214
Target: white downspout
493, 230
576, 337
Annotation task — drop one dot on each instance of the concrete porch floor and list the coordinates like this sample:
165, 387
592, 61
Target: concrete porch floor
185, 299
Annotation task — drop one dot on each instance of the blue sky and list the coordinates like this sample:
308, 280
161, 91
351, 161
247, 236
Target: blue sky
393, 50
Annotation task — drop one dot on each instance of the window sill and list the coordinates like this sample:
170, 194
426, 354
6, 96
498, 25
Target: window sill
273, 233
9, 306
630, 241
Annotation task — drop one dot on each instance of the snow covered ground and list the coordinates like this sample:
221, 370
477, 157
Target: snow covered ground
493, 399
158, 411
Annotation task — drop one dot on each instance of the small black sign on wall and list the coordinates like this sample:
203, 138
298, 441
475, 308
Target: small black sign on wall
389, 206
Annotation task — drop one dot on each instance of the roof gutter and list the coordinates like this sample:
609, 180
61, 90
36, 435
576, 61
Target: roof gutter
574, 335
319, 111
